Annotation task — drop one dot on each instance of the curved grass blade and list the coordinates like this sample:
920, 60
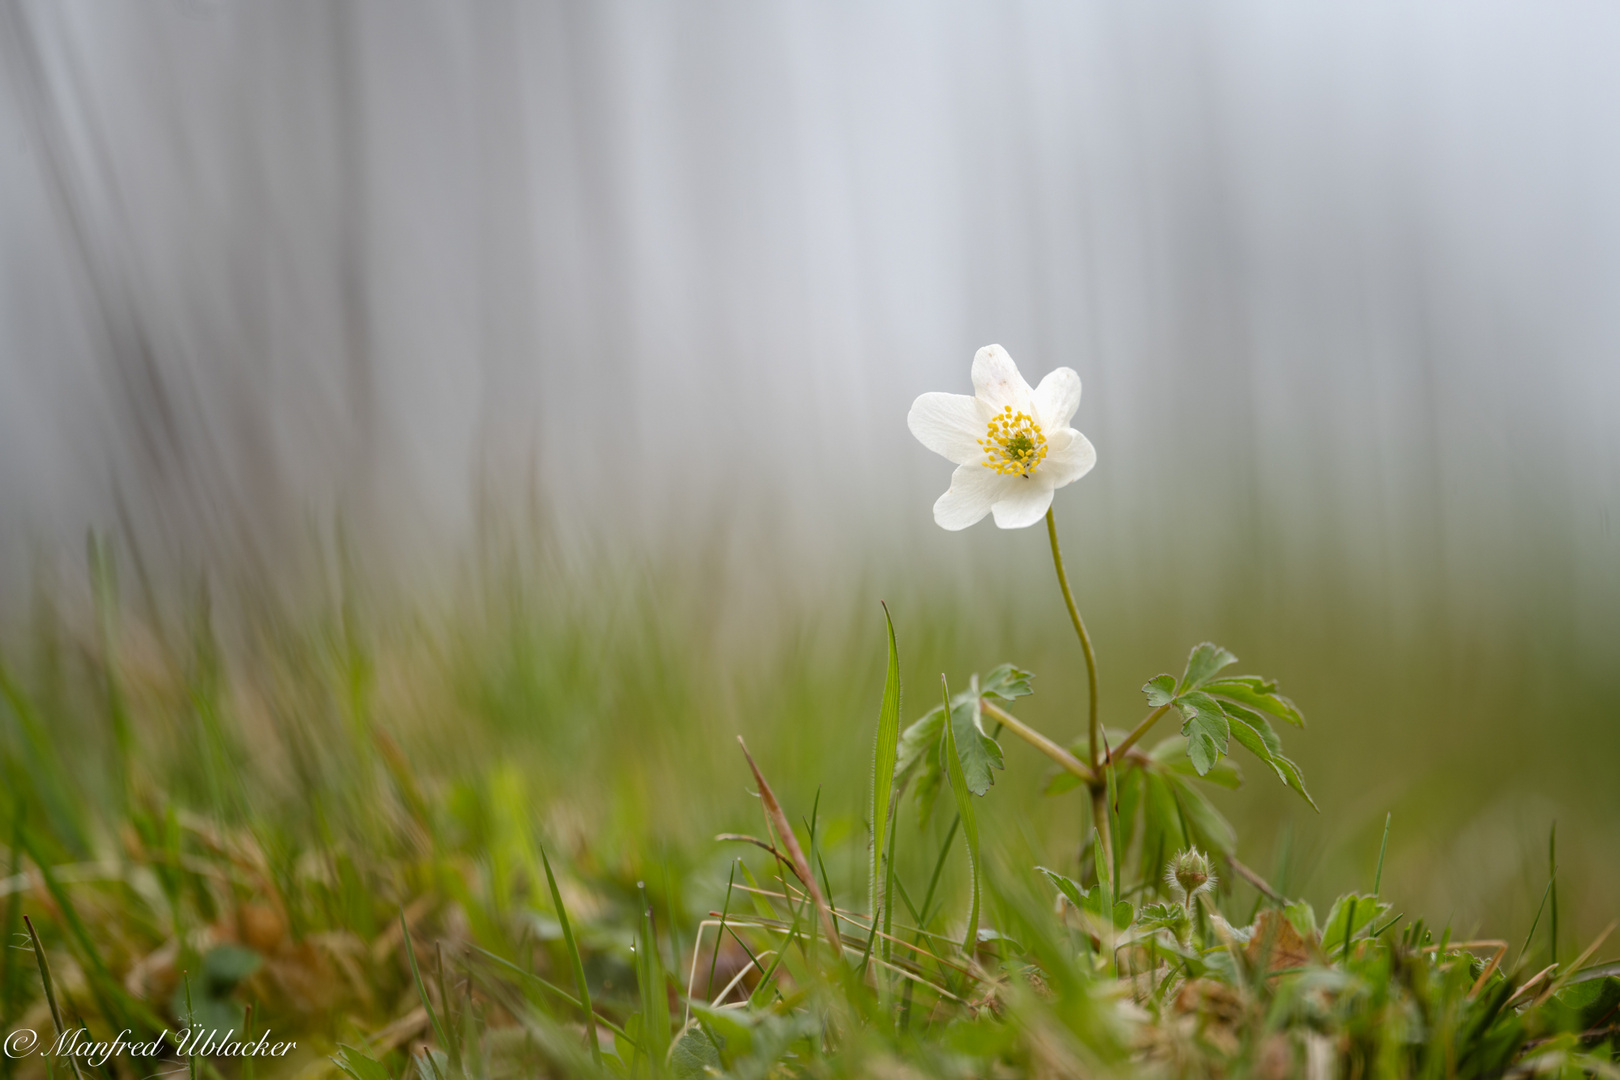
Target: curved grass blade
573, 957
885, 754
421, 987
50, 990
553, 989
970, 824
655, 1018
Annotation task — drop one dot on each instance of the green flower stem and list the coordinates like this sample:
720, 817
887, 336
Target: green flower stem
1137, 732
1038, 741
1099, 793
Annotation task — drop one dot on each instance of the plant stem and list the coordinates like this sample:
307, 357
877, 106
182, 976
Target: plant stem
1137, 732
1099, 794
1039, 741
1079, 629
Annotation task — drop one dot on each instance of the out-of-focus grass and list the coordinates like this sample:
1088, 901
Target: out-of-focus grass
295, 774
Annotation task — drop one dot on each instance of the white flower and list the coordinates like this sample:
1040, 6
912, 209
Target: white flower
1012, 445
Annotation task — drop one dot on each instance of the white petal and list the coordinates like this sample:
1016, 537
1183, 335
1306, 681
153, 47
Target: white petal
974, 489
997, 383
949, 424
1057, 398
1069, 456
1025, 504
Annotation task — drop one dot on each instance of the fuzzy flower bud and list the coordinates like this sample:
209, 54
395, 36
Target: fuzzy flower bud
1189, 874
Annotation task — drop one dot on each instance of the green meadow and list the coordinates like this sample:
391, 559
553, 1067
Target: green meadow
398, 829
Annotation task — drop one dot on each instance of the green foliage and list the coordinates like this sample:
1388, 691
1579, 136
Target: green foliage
1205, 726
1203, 662
695, 1056
1096, 902
977, 752
920, 758
393, 907
1007, 683
357, 1066
1215, 711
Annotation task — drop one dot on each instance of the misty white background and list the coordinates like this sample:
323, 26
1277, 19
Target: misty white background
1342, 281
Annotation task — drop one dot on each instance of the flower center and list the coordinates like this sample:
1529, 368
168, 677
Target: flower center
1014, 444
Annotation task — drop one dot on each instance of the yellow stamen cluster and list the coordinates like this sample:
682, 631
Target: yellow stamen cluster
1014, 444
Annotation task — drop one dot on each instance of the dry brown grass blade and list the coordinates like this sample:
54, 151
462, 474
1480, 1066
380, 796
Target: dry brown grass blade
1530, 984
801, 865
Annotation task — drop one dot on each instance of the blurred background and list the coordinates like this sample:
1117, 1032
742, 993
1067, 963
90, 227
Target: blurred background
573, 343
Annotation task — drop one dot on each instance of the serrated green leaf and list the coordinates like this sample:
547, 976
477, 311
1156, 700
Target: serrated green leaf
1255, 734
1264, 733
1206, 728
885, 759
1203, 662
1091, 901
1160, 690
1293, 778
1172, 917
979, 752
1007, 683
1070, 888
1257, 693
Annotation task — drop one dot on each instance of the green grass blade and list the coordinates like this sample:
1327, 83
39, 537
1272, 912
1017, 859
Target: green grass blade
970, 824
551, 988
13, 920
1535, 922
885, 752
1115, 847
574, 958
421, 987
1378, 876
1552, 880
50, 990
720, 932
889, 882
191, 1022
1349, 931
926, 910
763, 991
655, 1020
